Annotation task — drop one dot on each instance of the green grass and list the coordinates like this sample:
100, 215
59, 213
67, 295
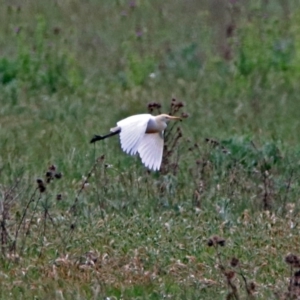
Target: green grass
108, 228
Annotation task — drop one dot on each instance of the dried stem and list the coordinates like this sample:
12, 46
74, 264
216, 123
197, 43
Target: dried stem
14, 244
266, 182
73, 207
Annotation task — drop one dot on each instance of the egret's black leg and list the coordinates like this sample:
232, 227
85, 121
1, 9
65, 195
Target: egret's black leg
100, 137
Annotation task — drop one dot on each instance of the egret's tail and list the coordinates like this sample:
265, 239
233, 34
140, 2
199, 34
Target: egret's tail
96, 138
102, 137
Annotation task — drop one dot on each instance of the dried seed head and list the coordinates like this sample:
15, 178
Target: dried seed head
58, 175
49, 176
56, 30
252, 286
221, 242
179, 104
210, 243
156, 105
212, 142
292, 260
297, 274
42, 189
229, 274
184, 115
230, 30
234, 262
216, 241
59, 197
41, 185
52, 168
39, 181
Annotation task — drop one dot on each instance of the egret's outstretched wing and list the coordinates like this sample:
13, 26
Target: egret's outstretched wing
151, 150
132, 132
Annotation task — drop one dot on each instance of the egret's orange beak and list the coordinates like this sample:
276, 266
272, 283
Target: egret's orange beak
175, 118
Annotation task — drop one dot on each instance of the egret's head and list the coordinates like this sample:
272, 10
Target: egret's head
166, 118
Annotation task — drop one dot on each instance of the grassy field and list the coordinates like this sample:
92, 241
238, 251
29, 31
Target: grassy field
221, 219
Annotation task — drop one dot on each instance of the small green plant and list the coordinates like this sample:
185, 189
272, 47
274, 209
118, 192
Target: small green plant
139, 69
39, 64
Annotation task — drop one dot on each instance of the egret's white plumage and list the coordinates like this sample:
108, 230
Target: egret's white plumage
143, 134
151, 150
132, 132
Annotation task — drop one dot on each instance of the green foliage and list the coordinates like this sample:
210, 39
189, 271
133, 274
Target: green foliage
8, 70
268, 45
41, 64
138, 70
243, 151
184, 59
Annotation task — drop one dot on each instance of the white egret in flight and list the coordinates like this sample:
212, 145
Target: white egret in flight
143, 134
